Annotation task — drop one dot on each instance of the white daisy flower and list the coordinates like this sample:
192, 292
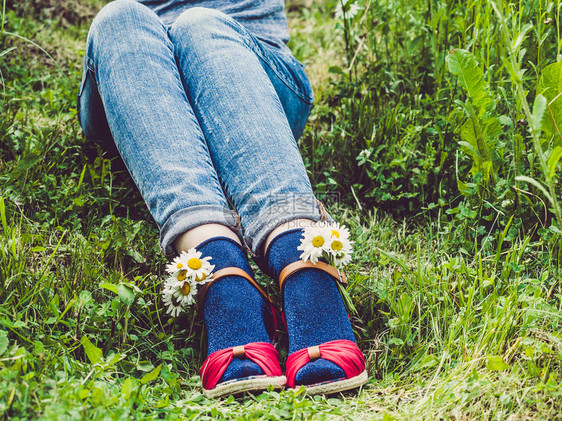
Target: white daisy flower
178, 295
354, 8
345, 10
197, 268
339, 232
315, 242
188, 270
177, 264
309, 252
339, 9
340, 251
189, 264
330, 241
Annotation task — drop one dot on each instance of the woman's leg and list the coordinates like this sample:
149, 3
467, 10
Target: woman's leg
130, 58
251, 101
254, 91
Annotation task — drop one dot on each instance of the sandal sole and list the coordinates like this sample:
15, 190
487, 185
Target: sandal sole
337, 386
256, 384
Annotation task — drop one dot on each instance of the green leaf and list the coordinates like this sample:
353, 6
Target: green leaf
481, 132
521, 37
85, 297
139, 258
496, 363
475, 146
152, 375
535, 183
506, 121
550, 85
538, 112
38, 348
427, 362
3, 53
145, 366
4, 342
555, 156
83, 394
114, 359
3, 215
348, 302
336, 69
12, 325
127, 388
462, 187
463, 64
93, 353
467, 145
125, 294
28, 162
110, 287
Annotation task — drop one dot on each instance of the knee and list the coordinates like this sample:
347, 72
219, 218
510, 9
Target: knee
200, 23
120, 26
119, 17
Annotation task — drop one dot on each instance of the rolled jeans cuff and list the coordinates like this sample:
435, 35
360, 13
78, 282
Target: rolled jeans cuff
288, 210
192, 217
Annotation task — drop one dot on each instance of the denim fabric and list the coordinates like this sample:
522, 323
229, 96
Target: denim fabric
264, 18
204, 115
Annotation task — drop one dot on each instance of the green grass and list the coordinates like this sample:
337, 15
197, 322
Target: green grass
456, 276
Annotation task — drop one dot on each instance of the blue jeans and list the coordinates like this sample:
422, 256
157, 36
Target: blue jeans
205, 117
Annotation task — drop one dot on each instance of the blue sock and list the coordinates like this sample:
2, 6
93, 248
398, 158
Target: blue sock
234, 311
314, 309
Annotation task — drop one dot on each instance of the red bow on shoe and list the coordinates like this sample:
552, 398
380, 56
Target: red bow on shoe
343, 353
262, 353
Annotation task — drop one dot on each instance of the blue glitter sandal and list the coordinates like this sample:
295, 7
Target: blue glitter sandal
263, 354
316, 319
343, 353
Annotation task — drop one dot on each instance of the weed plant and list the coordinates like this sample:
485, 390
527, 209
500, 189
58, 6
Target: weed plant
436, 123
430, 115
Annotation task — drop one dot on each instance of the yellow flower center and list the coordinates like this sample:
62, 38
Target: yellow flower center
318, 241
194, 263
185, 288
179, 265
201, 278
182, 275
337, 245
335, 234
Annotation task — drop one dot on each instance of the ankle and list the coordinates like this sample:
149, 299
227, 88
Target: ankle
200, 234
282, 251
225, 252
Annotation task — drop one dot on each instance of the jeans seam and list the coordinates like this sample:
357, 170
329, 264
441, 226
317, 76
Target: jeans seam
284, 79
231, 220
319, 208
254, 44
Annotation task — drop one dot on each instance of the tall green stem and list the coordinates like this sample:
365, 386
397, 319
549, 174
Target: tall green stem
3, 17
517, 78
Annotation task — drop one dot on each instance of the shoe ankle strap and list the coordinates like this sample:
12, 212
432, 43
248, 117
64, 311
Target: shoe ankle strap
291, 268
299, 265
231, 271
